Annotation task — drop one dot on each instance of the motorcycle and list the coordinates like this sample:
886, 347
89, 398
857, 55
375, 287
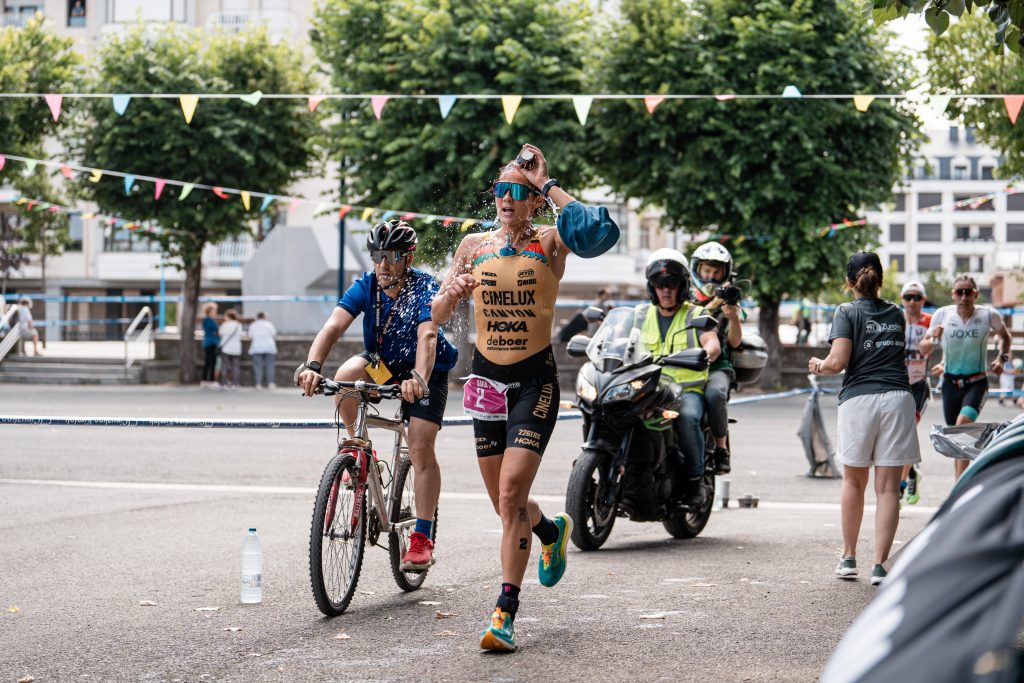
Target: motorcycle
630, 464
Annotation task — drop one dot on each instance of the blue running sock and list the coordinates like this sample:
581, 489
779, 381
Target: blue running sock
508, 600
903, 485
424, 526
546, 530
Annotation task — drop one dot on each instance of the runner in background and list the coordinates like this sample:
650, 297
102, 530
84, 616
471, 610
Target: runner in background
914, 296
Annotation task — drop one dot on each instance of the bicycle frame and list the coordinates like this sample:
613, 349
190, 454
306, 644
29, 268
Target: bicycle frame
369, 474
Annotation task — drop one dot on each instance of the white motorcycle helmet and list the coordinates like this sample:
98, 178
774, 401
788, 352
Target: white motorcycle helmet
715, 254
667, 265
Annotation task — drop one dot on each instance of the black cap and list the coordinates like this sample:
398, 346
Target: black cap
863, 259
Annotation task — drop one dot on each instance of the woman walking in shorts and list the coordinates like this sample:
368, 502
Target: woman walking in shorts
876, 409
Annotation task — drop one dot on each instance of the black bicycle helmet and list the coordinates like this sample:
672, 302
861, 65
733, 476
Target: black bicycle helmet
393, 235
667, 265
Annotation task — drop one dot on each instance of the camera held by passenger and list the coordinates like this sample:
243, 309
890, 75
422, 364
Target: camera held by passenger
729, 294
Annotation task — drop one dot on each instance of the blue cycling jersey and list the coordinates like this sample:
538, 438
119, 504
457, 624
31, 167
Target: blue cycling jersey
400, 336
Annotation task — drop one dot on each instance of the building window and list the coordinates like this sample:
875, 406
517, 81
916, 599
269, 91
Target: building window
927, 263
927, 200
1015, 202
121, 239
76, 13
1015, 232
962, 264
986, 173
954, 134
959, 172
900, 201
986, 233
969, 135
128, 10
929, 232
898, 263
75, 232
897, 232
18, 12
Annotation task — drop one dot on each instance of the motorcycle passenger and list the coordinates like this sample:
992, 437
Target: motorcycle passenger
711, 268
668, 285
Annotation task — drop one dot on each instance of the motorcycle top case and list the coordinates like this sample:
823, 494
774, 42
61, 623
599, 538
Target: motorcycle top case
749, 360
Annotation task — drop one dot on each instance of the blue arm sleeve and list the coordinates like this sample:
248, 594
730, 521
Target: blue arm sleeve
588, 231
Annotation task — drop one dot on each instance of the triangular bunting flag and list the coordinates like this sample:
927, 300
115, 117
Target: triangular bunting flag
188, 106
367, 212
582, 104
95, 175
66, 171
466, 225
245, 199
1013, 104
725, 97
219, 191
938, 104
446, 102
88, 216
293, 204
54, 102
3, 160
314, 102
387, 215
159, 188
447, 221
252, 98
378, 102
408, 216
129, 182
791, 91
652, 102
320, 208
121, 103
510, 103
343, 211
430, 219
267, 201
186, 190
862, 102
30, 166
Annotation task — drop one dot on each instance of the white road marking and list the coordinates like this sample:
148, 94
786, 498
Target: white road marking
445, 495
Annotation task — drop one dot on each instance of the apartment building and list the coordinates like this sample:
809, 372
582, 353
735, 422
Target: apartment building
937, 224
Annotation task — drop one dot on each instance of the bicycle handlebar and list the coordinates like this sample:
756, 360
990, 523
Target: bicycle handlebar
329, 387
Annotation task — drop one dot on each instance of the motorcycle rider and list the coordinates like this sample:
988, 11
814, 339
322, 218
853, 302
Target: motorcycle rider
668, 285
711, 268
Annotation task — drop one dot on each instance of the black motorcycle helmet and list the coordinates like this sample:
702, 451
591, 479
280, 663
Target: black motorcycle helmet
667, 265
393, 235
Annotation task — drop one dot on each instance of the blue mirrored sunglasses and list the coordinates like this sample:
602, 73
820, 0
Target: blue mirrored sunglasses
519, 191
393, 257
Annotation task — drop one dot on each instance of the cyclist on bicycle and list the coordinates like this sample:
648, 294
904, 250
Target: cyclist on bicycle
400, 337
711, 269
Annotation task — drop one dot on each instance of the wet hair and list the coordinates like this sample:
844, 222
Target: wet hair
868, 282
230, 314
513, 166
966, 278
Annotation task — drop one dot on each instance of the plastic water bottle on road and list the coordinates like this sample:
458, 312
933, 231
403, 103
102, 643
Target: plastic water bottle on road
252, 568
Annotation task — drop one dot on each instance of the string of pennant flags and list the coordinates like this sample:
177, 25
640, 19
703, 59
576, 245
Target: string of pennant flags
189, 102
366, 213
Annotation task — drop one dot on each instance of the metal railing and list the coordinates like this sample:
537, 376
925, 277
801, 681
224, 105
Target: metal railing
143, 337
13, 334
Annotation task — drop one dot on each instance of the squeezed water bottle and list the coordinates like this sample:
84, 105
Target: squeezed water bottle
252, 568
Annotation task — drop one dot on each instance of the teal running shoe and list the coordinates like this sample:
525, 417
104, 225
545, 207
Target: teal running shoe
501, 634
552, 557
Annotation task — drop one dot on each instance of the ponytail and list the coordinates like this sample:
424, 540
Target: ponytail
868, 282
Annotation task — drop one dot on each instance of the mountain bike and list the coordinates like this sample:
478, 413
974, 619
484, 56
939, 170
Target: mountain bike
354, 503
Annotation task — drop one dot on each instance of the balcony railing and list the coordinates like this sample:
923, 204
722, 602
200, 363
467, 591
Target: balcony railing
17, 19
228, 254
277, 22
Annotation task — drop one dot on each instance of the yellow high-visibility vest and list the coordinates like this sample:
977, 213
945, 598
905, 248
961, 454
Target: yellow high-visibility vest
678, 338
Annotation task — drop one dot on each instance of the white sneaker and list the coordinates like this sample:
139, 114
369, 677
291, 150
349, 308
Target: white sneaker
847, 568
271, 386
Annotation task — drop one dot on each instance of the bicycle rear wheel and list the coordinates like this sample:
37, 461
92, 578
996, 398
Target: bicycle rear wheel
403, 508
337, 536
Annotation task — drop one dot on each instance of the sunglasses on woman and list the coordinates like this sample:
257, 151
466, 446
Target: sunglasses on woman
964, 292
519, 191
392, 257
913, 297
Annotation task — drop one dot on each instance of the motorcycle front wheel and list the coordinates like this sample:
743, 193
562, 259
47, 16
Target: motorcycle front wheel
584, 500
685, 523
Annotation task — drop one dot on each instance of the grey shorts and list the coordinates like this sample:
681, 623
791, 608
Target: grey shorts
878, 429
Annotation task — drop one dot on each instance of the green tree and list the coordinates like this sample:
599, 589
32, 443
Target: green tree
768, 172
412, 159
43, 232
229, 143
1004, 28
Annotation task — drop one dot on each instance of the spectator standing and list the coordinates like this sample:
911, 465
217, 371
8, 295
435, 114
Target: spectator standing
876, 409
211, 345
230, 350
263, 349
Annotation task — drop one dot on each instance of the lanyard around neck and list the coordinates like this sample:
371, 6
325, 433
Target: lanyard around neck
379, 331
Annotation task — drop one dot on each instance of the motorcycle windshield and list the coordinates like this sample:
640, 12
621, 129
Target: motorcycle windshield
617, 341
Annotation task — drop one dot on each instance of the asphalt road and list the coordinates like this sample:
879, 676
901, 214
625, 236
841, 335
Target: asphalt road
95, 521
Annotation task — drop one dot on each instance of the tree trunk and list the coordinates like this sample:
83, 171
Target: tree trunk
187, 323
768, 325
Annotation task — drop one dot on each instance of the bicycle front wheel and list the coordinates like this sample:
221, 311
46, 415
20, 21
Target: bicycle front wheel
403, 509
337, 536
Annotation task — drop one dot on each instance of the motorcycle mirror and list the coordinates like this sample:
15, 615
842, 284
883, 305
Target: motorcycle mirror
703, 323
593, 314
577, 346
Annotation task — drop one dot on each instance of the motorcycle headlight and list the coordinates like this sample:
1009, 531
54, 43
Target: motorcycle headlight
585, 389
624, 392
